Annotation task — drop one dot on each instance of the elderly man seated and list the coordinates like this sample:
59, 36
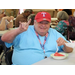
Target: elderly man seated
33, 43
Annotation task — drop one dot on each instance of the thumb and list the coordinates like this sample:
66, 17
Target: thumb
20, 22
29, 21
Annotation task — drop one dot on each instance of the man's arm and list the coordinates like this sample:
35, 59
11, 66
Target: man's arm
61, 41
10, 35
67, 49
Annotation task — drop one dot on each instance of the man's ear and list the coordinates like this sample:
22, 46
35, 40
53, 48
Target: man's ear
34, 22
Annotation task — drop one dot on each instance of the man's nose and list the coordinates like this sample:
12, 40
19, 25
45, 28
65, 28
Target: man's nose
43, 24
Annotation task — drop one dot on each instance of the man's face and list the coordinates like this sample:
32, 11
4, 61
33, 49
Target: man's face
42, 27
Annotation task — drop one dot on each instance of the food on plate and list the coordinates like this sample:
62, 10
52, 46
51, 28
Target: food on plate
58, 54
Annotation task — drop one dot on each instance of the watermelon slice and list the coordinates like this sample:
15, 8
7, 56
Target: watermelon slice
58, 54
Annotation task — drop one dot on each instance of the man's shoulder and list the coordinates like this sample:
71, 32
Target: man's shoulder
53, 31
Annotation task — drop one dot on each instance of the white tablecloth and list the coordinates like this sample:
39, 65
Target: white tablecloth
70, 60
2, 32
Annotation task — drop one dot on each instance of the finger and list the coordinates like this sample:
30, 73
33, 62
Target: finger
29, 21
24, 25
60, 42
20, 22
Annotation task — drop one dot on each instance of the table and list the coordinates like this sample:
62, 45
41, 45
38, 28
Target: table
70, 60
2, 32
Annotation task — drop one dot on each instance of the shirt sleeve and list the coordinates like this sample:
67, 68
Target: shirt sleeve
8, 44
15, 42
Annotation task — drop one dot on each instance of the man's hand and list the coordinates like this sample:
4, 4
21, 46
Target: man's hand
24, 25
61, 41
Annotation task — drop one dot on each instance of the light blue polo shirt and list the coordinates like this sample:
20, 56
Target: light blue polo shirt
27, 49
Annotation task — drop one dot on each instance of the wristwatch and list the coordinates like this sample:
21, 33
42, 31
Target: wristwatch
10, 21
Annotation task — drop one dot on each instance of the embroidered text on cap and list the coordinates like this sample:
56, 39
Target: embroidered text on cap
44, 14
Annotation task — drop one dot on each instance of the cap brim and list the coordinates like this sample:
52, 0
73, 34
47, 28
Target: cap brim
39, 20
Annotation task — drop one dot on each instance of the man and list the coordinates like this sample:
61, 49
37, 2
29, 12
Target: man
36, 42
23, 17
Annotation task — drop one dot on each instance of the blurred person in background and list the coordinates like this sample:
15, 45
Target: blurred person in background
71, 22
31, 16
63, 22
70, 19
6, 22
23, 17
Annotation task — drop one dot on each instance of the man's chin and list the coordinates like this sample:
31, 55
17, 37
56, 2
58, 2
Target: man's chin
42, 34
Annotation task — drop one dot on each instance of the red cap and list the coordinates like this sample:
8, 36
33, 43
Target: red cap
40, 16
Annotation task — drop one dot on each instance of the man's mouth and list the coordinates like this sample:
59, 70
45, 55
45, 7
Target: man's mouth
42, 28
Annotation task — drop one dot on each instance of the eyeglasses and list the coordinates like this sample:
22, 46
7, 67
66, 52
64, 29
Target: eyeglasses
44, 22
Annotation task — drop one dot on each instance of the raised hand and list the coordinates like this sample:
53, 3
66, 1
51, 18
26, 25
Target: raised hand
24, 25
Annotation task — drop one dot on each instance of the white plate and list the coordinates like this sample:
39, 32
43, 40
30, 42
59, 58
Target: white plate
59, 57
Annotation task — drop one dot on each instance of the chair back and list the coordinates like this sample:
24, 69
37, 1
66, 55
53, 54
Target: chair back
8, 57
1, 48
68, 31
